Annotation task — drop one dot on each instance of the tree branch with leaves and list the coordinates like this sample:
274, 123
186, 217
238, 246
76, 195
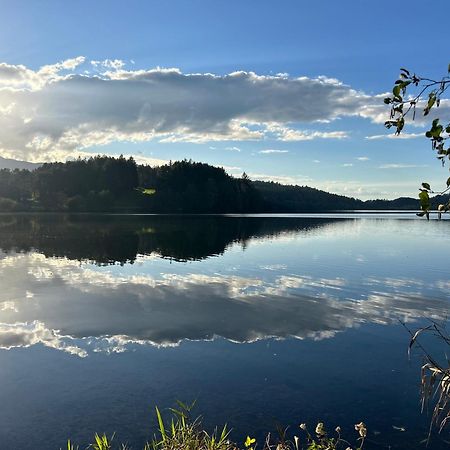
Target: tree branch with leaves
410, 93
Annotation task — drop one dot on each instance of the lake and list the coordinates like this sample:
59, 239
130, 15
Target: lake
261, 319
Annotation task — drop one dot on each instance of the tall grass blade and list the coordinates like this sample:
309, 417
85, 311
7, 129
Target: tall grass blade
161, 425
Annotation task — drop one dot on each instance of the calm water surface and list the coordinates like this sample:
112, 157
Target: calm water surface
263, 320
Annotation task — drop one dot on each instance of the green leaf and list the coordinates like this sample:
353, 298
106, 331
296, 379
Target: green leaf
431, 100
396, 91
161, 424
426, 186
424, 200
400, 125
448, 182
437, 131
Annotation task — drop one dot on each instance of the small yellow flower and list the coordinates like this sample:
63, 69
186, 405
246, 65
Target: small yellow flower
303, 426
338, 430
249, 441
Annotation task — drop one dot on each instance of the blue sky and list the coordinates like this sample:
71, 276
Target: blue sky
302, 105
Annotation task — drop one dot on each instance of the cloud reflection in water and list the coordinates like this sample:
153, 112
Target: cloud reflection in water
75, 308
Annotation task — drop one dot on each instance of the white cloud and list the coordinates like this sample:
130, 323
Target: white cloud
140, 159
233, 149
270, 150
283, 133
363, 158
115, 64
16, 78
400, 166
366, 190
282, 179
234, 170
394, 136
347, 165
377, 112
58, 110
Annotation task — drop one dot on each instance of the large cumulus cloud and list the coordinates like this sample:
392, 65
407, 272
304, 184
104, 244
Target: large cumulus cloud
60, 109
56, 111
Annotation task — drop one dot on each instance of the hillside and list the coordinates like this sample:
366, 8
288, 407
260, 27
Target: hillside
107, 184
285, 198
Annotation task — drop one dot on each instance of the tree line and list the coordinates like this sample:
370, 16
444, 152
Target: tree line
108, 184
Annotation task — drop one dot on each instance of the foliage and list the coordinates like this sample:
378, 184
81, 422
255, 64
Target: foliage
182, 432
435, 376
411, 91
106, 184
282, 198
192, 187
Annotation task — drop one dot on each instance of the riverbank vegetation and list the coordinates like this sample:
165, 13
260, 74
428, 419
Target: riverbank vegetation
107, 184
182, 432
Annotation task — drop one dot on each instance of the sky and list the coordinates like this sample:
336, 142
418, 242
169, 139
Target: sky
289, 91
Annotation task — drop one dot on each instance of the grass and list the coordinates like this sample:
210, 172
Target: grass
183, 433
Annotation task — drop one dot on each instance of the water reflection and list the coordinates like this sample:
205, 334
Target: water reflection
109, 239
127, 312
49, 297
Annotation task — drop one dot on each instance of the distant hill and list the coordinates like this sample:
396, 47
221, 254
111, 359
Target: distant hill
6, 163
278, 198
287, 198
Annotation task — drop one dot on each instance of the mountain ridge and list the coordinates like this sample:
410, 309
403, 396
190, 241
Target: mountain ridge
12, 164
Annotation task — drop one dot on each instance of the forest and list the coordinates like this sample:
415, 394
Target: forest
108, 184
